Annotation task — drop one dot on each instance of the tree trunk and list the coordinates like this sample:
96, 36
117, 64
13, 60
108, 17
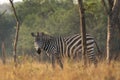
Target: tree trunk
83, 30
17, 33
109, 39
113, 21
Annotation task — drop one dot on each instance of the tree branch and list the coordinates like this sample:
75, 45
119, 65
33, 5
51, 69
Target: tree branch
110, 3
116, 13
16, 17
105, 6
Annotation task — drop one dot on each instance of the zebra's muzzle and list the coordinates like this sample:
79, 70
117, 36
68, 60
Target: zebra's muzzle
39, 51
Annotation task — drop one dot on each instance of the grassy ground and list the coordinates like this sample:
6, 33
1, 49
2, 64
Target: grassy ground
32, 70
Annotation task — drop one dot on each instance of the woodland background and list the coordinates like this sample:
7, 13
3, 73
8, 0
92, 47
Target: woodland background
55, 17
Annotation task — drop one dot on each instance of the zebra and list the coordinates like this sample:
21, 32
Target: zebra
60, 46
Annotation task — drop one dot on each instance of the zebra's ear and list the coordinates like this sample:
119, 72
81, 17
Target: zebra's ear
33, 35
42, 33
37, 33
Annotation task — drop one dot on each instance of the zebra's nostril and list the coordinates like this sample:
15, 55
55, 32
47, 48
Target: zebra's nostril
39, 51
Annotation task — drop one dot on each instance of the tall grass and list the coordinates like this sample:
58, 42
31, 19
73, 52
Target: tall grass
29, 69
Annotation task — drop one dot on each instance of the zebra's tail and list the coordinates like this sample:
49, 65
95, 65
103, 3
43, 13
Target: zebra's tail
98, 49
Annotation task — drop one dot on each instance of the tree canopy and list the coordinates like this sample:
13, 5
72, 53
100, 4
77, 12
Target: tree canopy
55, 17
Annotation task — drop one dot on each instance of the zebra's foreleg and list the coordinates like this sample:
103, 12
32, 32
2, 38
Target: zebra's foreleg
53, 61
59, 62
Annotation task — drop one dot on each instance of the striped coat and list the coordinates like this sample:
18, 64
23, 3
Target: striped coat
59, 46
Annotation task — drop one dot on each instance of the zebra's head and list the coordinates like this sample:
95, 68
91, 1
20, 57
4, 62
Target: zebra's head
38, 41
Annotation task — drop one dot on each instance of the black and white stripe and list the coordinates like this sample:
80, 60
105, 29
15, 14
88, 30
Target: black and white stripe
53, 46
63, 46
74, 47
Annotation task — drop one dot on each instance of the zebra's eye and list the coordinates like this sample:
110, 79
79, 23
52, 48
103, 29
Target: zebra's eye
37, 39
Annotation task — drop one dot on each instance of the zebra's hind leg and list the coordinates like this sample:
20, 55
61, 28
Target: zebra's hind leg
92, 58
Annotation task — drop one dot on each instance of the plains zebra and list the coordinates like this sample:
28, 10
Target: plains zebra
63, 46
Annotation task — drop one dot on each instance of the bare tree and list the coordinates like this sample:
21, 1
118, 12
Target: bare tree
83, 30
17, 32
113, 11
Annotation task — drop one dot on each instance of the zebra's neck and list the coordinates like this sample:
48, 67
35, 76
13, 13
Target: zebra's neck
46, 44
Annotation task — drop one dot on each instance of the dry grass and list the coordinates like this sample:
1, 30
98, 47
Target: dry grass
32, 70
